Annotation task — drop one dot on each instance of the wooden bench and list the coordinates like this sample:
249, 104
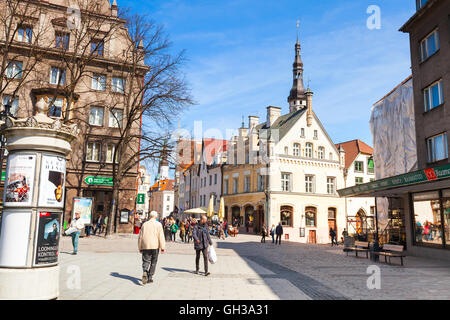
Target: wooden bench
360, 246
391, 251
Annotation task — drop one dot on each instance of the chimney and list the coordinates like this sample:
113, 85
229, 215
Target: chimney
253, 121
273, 113
309, 94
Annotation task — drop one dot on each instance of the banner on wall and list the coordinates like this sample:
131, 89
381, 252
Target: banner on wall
47, 238
51, 189
84, 207
20, 179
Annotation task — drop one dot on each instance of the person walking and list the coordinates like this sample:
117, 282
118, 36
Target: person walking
182, 230
151, 240
263, 234
78, 225
272, 233
279, 233
174, 229
105, 224
98, 225
333, 237
167, 230
225, 228
202, 241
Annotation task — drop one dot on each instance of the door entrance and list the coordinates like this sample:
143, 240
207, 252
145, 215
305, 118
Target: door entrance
312, 237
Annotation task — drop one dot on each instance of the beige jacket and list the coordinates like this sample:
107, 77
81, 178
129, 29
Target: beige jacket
151, 236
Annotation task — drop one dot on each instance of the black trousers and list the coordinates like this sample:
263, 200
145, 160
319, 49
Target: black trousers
205, 259
278, 239
149, 260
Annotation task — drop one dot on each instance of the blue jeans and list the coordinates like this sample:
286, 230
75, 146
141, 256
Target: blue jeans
226, 232
75, 237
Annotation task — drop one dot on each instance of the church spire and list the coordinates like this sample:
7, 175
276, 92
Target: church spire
297, 98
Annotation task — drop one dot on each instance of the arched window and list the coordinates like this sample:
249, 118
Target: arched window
321, 153
309, 150
296, 149
286, 216
286, 150
310, 217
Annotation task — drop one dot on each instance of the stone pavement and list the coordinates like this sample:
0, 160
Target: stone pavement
246, 270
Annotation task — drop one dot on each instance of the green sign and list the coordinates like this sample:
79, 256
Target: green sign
399, 181
99, 181
141, 198
3, 175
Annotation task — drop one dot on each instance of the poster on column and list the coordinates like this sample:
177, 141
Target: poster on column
20, 180
47, 238
51, 188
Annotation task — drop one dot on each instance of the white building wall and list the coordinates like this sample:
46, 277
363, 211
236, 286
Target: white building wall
299, 167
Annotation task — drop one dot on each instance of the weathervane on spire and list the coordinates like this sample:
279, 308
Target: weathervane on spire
298, 29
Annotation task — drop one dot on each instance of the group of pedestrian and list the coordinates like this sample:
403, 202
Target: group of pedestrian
152, 239
185, 228
275, 232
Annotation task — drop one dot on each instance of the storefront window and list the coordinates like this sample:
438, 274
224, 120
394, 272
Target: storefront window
286, 216
310, 217
446, 206
427, 214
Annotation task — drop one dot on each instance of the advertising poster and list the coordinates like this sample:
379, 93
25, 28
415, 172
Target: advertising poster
47, 242
51, 189
84, 207
20, 179
124, 216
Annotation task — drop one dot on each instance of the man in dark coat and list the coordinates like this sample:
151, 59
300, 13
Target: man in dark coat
279, 233
202, 241
333, 237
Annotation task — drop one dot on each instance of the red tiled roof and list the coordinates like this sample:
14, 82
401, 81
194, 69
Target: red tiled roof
163, 185
353, 149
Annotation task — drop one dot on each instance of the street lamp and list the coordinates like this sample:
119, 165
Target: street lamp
5, 113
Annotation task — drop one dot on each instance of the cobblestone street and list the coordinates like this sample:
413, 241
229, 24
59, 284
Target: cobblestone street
246, 269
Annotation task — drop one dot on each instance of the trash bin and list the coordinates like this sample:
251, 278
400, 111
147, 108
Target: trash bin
375, 247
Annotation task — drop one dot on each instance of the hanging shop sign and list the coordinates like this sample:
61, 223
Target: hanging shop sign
20, 180
416, 177
99, 181
47, 238
140, 198
51, 189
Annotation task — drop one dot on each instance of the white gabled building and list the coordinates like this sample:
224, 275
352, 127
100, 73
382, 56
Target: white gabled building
303, 169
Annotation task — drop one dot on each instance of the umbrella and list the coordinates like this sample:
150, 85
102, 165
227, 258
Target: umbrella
196, 211
211, 207
222, 208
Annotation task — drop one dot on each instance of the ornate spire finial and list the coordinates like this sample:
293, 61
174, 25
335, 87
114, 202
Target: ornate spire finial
298, 30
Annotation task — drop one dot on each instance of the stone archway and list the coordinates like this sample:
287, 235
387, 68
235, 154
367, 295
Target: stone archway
249, 211
236, 216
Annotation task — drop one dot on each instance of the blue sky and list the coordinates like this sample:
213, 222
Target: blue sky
241, 53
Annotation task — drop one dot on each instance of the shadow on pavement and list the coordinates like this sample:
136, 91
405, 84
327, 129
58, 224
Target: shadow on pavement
178, 270
312, 288
136, 281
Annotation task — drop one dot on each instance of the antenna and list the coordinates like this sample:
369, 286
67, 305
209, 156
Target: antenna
298, 29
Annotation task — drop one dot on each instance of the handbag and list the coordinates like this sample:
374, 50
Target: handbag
212, 256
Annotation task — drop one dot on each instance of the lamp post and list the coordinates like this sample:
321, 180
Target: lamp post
3, 115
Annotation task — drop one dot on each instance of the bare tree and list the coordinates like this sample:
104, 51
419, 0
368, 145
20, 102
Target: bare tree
20, 40
155, 92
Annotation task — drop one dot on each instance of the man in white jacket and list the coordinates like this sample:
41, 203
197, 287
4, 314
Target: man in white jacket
151, 240
78, 225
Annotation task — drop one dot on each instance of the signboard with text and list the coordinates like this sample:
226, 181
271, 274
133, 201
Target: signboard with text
99, 181
399, 181
51, 188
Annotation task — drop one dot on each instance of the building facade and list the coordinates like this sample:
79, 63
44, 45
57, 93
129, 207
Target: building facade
418, 202
287, 170
38, 67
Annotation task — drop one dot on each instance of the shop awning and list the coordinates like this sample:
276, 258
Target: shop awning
408, 179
